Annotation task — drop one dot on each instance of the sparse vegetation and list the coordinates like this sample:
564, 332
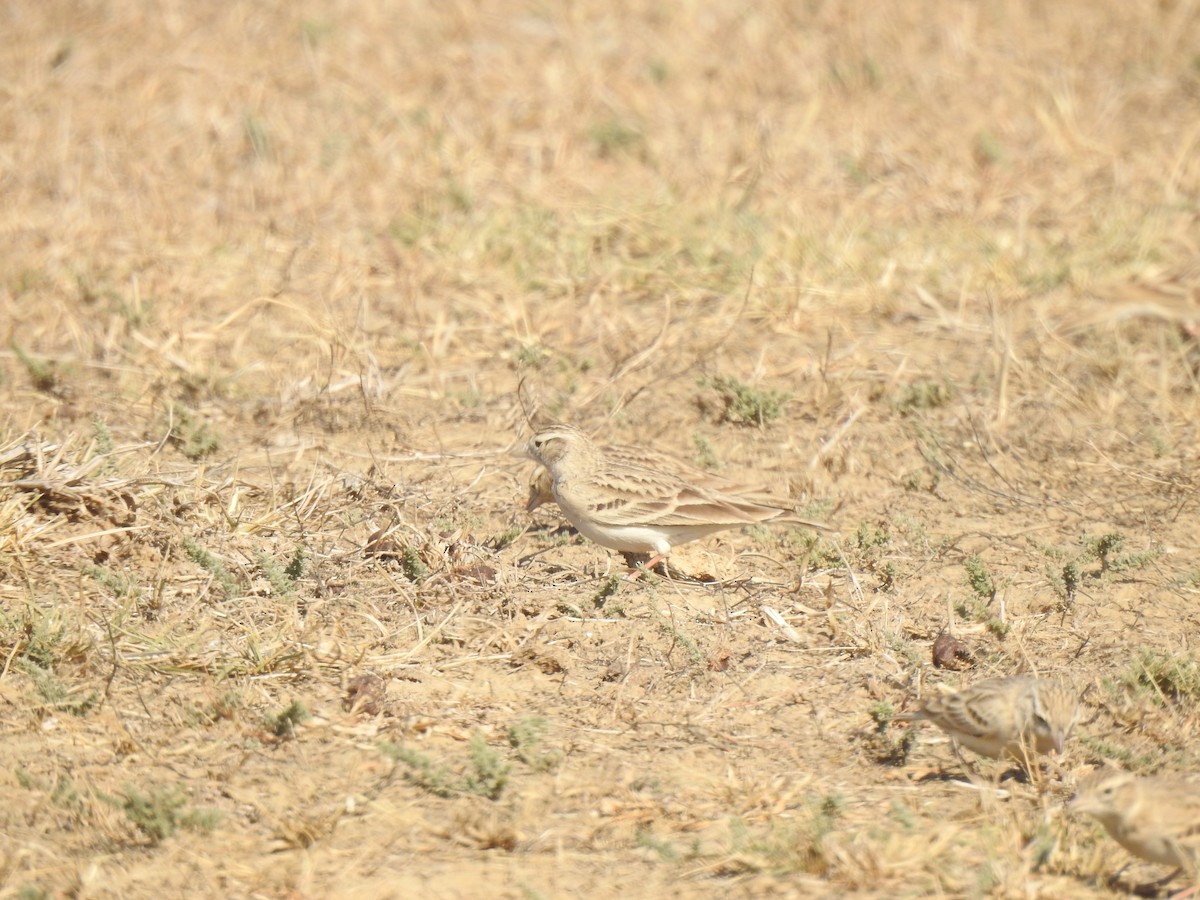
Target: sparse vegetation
267, 308
212, 565
706, 454
525, 737
887, 574
195, 438
281, 579
609, 588
160, 813
43, 375
485, 773
283, 724
412, 565
224, 707
664, 850
746, 405
506, 537
1070, 579
979, 579
924, 395
1164, 677
104, 444
612, 136
120, 585
1066, 571
423, 771
680, 639
798, 847
885, 746
59, 696
1105, 549
974, 610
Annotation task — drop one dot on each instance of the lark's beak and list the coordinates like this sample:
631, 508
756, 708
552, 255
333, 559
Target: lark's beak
541, 490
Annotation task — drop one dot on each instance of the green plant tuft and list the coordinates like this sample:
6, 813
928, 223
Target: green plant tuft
746, 405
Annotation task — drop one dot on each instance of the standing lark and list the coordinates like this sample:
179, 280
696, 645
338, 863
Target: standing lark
637, 507
1005, 717
1154, 817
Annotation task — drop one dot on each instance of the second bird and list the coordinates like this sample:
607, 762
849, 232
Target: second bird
1005, 717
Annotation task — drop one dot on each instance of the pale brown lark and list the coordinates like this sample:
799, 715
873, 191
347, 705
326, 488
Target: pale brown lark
1155, 817
1005, 717
634, 507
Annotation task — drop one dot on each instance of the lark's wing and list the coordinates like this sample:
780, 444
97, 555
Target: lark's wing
625, 494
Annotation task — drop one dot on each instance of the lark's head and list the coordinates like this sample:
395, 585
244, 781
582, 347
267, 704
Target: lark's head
541, 490
558, 446
1105, 793
1055, 713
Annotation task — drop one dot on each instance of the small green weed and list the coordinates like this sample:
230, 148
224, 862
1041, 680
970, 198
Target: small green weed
870, 538
1164, 676
679, 638
283, 724
119, 585
60, 697
39, 638
746, 405
194, 437
102, 443
423, 772
613, 136
883, 744
974, 610
44, 376
980, 579
791, 847
609, 588
283, 584
212, 565
662, 848
258, 140
412, 565
160, 813
525, 737
506, 537
485, 774
225, 707
924, 395
706, 455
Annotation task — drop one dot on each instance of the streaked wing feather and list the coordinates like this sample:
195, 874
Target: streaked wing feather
638, 497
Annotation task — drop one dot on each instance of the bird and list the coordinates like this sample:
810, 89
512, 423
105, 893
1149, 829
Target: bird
1005, 718
541, 483
639, 507
1156, 817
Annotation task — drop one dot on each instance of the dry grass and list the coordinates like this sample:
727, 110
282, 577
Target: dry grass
272, 619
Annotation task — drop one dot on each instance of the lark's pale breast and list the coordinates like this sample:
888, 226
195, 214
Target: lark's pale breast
633, 538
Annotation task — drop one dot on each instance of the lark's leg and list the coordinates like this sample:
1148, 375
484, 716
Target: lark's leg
972, 773
655, 560
1163, 882
635, 571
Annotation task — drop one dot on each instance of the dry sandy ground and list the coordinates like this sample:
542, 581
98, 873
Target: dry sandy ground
273, 619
